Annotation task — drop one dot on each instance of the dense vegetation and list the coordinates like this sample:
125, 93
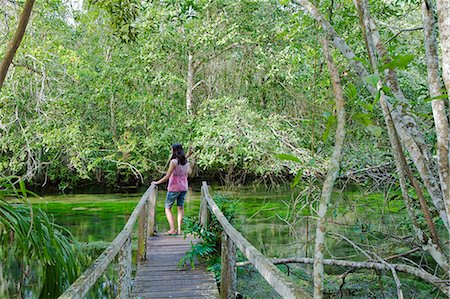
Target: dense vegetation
88, 100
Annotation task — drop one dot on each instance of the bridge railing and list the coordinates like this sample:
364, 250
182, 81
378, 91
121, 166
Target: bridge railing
231, 239
144, 213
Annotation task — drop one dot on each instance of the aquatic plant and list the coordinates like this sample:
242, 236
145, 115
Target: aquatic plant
33, 249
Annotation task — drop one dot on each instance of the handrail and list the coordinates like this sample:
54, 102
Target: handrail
277, 279
121, 246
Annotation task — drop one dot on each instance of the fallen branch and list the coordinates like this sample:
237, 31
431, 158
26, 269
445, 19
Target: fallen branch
389, 266
442, 285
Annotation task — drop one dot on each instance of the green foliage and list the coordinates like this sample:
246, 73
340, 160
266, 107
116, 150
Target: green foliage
232, 137
399, 61
210, 247
372, 80
85, 105
123, 15
31, 242
288, 157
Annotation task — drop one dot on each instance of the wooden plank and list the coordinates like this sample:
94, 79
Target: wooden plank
280, 282
176, 294
164, 277
174, 285
164, 282
160, 276
204, 212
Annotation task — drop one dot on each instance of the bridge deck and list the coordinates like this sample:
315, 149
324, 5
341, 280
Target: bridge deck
160, 276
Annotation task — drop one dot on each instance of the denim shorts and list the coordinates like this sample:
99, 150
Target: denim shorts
171, 196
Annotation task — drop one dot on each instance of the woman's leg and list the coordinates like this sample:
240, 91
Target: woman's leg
180, 204
170, 199
180, 218
169, 216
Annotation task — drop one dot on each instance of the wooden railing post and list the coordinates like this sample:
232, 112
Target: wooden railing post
152, 211
125, 270
142, 234
228, 273
204, 211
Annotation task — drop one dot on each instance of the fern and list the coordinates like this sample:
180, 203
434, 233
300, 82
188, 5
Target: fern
208, 250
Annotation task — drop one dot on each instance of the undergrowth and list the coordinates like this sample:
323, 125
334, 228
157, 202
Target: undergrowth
208, 250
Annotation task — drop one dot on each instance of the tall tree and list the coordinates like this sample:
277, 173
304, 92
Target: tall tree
443, 9
332, 173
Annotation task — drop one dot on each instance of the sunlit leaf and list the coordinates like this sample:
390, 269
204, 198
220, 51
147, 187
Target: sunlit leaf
372, 80
288, 157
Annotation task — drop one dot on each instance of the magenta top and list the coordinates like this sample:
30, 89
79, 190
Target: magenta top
178, 179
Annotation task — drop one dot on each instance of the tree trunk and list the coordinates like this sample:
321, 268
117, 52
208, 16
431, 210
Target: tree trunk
331, 175
406, 126
190, 85
15, 42
402, 166
443, 9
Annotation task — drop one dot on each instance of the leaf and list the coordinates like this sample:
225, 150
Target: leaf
288, 157
351, 91
440, 97
331, 121
404, 60
297, 178
375, 130
399, 61
386, 89
363, 118
372, 80
377, 98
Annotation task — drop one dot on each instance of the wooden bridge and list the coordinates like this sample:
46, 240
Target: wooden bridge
158, 274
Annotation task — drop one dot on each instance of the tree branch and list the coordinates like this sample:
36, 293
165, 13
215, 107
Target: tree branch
15, 42
442, 285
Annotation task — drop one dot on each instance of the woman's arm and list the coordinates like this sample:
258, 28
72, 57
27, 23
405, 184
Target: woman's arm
167, 176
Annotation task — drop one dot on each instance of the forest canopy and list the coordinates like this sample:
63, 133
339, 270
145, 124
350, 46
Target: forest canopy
97, 94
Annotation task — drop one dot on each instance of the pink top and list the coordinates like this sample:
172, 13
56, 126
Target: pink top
178, 179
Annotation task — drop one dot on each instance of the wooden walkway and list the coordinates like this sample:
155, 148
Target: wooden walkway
160, 277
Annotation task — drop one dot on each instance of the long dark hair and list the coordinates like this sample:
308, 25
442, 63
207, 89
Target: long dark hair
178, 153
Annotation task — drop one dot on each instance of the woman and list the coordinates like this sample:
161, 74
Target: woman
178, 186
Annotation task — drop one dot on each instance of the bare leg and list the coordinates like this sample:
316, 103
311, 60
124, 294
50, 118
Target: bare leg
169, 216
180, 218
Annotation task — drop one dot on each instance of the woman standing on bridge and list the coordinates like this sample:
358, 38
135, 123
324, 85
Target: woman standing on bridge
178, 185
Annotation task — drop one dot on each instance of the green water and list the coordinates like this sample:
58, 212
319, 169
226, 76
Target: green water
100, 217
